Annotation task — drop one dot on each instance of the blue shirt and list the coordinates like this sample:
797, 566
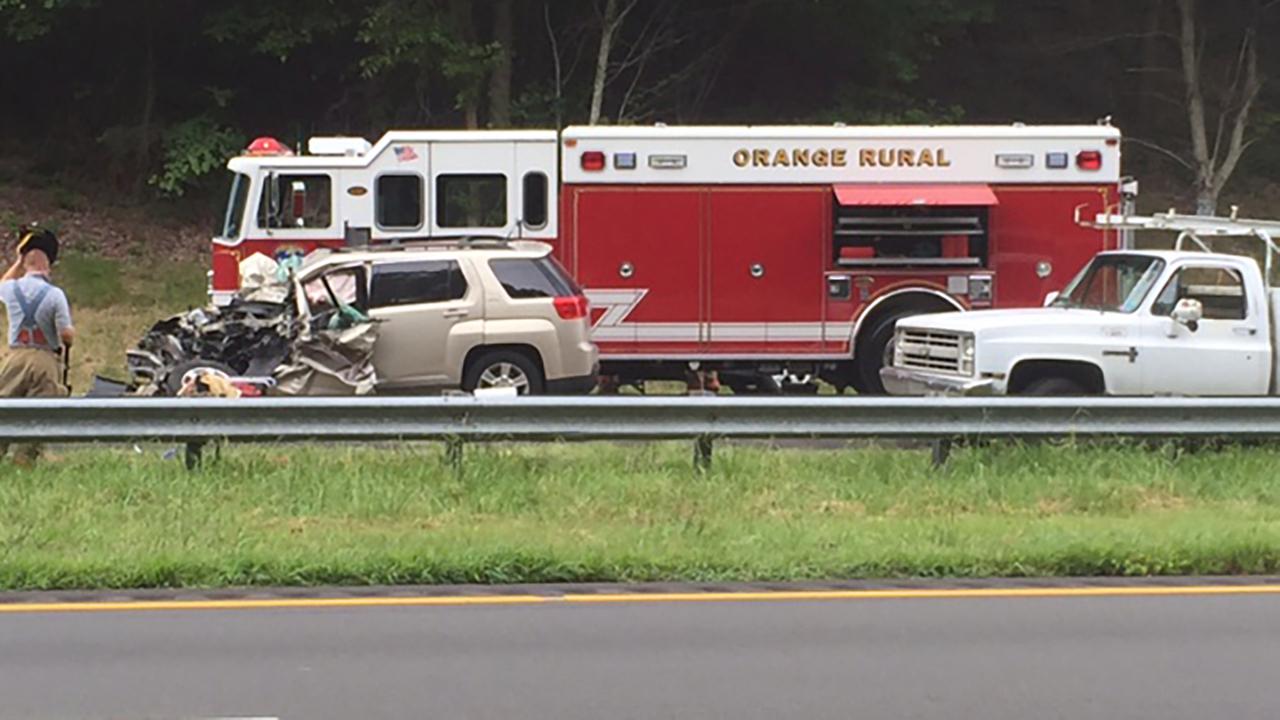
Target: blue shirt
53, 315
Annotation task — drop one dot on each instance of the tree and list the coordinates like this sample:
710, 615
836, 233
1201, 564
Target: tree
1214, 162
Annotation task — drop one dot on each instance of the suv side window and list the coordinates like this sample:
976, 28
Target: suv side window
1219, 290
413, 283
532, 278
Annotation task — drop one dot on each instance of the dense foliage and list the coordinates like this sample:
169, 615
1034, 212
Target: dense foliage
145, 96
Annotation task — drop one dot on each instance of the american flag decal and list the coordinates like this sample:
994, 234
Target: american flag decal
404, 153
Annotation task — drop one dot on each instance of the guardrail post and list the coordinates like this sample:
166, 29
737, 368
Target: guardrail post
702, 453
453, 453
941, 452
193, 455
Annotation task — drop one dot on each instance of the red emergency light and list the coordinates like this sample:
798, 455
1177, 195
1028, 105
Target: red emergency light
572, 307
1089, 160
266, 147
593, 161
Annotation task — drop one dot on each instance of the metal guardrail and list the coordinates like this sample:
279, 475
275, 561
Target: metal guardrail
459, 420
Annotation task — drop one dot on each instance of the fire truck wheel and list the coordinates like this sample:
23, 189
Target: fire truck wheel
1050, 386
503, 369
872, 351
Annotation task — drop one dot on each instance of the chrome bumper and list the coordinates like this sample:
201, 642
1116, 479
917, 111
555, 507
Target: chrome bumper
912, 382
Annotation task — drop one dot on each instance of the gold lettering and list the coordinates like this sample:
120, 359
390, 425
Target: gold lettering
760, 158
943, 160
780, 158
801, 158
838, 158
907, 158
821, 158
885, 158
742, 158
926, 158
867, 158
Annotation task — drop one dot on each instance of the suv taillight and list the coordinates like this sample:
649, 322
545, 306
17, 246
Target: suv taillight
571, 308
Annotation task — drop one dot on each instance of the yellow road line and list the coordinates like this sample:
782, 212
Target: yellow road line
587, 599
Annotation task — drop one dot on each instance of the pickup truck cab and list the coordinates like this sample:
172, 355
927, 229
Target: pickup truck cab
1133, 322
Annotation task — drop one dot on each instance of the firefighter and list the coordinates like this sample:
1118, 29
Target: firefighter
39, 327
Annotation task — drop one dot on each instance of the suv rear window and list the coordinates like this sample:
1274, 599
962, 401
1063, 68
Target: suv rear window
533, 278
411, 283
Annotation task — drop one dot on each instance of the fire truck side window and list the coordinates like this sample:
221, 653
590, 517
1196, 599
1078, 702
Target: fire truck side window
535, 199
471, 201
413, 283
398, 201
296, 201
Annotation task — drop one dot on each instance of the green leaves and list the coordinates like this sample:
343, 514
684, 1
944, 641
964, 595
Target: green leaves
193, 149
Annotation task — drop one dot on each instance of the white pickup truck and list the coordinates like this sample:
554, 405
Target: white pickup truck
1133, 322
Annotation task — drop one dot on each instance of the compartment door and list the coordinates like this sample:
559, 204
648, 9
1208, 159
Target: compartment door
636, 252
766, 290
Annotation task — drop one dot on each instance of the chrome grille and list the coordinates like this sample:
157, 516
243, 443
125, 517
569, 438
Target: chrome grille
929, 350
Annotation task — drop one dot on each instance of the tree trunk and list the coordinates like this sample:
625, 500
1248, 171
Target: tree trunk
500, 79
607, 26
1189, 52
469, 97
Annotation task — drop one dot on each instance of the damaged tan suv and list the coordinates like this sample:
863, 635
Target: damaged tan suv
479, 314
476, 314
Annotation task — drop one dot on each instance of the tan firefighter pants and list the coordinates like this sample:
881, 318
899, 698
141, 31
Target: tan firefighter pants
30, 373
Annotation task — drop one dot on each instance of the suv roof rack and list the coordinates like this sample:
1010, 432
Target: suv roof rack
411, 243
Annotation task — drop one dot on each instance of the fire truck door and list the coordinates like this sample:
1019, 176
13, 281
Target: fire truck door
766, 290
1036, 246
636, 252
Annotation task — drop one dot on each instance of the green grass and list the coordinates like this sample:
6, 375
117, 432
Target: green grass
356, 515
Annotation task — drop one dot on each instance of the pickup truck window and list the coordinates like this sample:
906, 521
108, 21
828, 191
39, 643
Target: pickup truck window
1112, 283
1219, 290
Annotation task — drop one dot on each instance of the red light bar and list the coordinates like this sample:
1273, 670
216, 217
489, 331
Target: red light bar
593, 161
1089, 160
267, 147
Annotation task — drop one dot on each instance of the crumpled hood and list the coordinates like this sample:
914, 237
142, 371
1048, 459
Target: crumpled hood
989, 321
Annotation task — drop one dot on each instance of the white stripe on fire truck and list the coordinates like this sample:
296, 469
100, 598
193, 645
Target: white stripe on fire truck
723, 332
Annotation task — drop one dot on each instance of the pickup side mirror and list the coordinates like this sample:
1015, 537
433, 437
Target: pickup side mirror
1188, 312
1048, 299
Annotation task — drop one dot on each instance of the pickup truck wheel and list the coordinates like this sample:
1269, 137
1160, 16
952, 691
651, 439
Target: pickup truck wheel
504, 369
1051, 386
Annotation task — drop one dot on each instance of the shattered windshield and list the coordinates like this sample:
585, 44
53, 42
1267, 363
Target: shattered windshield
233, 217
1112, 283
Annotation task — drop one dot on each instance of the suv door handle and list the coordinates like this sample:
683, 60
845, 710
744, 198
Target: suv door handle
1245, 330
461, 312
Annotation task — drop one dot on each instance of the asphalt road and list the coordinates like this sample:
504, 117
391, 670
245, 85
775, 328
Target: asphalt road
990, 658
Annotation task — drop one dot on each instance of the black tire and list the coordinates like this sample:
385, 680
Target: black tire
870, 356
1054, 386
504, 368
173, 381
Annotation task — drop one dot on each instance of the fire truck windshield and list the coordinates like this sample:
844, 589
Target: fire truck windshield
233, 215
1112, 283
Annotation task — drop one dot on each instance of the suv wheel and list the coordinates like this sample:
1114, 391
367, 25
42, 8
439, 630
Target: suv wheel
504, 369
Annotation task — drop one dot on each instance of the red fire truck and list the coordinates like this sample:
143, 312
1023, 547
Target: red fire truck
758, 252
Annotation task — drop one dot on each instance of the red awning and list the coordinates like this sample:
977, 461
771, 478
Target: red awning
905, 195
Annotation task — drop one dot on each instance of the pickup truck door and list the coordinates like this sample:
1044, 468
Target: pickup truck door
1228, 353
